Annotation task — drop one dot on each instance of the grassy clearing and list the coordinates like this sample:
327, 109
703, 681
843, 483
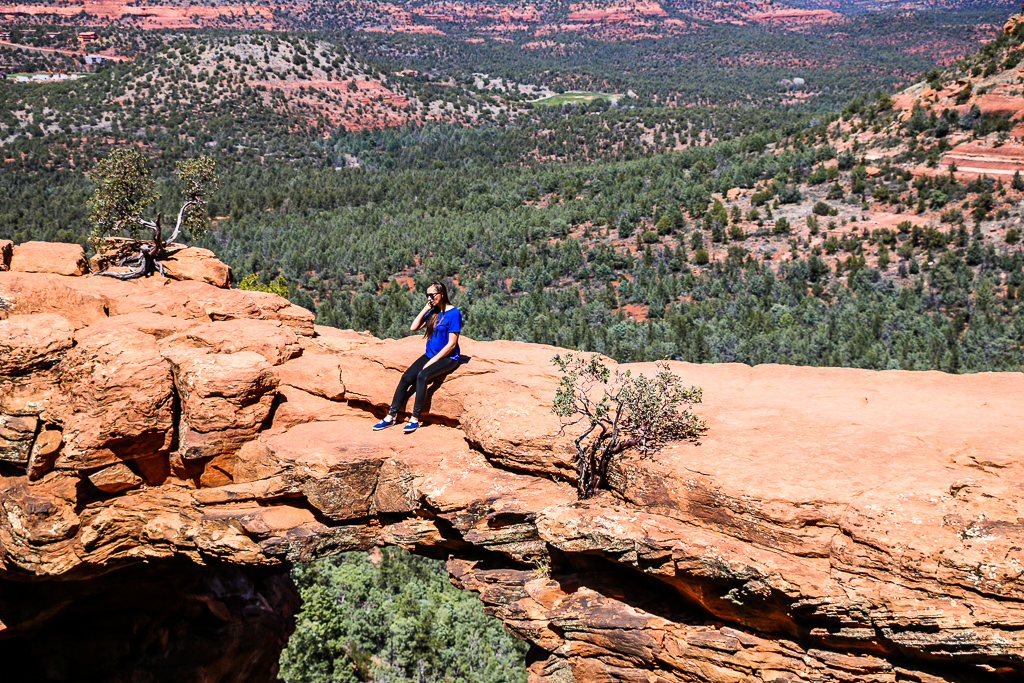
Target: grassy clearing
30, 74
577, 98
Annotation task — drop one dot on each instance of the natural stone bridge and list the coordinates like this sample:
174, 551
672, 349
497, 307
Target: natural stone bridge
169, 448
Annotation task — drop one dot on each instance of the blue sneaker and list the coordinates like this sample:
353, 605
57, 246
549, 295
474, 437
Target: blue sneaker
383, 424
410, 427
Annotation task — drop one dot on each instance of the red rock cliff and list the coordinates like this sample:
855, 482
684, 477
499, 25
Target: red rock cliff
170, 447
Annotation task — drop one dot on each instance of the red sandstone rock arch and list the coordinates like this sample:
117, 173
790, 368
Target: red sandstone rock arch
834, 524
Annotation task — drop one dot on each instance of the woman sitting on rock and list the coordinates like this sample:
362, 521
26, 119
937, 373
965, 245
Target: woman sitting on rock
442, 323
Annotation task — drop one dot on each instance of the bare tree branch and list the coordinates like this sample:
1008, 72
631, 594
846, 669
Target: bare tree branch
181, 216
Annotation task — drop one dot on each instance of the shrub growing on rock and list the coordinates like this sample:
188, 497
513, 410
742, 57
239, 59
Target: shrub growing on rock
251, 282
123, 193
618, 411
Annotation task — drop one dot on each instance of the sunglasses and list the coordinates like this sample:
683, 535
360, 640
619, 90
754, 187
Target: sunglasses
431, 295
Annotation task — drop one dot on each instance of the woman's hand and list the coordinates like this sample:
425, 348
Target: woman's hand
419, 321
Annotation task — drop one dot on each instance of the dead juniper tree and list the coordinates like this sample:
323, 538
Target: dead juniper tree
124, 191
618, 411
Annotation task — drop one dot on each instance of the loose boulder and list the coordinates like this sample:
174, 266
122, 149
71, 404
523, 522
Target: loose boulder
116, 399
49, 257
115, 478
193, 263
44, 453
225, 399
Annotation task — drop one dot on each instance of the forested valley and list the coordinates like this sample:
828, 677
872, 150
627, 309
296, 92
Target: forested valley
679, 197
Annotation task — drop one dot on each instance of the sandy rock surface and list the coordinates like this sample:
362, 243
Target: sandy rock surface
831, 524
31, 341
193, 263
49, 257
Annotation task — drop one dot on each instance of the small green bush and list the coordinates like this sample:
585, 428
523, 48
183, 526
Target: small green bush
616, 411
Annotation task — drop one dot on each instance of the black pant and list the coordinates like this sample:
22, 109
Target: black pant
419, 376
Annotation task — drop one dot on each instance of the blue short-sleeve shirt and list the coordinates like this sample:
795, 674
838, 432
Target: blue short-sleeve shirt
449, 321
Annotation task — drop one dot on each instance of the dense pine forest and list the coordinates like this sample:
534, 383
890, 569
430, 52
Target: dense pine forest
704, 233
729, 194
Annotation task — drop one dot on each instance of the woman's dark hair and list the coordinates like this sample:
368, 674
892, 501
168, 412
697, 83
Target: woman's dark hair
432, 318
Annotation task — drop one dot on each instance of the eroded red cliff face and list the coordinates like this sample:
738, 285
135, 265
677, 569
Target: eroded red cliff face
175, 446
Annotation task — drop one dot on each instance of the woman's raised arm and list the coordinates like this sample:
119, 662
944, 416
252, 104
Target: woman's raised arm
419, 322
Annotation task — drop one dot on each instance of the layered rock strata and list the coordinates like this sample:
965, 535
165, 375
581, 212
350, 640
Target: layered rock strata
832, 525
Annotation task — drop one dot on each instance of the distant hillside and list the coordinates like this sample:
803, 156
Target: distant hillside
970, 115
665, 51
417, 16
861, 6
238, 90
852, 243
599, 19
624, 220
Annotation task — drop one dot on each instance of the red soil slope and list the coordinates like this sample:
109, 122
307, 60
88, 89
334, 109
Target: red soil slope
149, 17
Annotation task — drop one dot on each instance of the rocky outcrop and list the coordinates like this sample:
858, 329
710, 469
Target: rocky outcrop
48, 257
993, 93
179, 262
193, 263
177, 445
